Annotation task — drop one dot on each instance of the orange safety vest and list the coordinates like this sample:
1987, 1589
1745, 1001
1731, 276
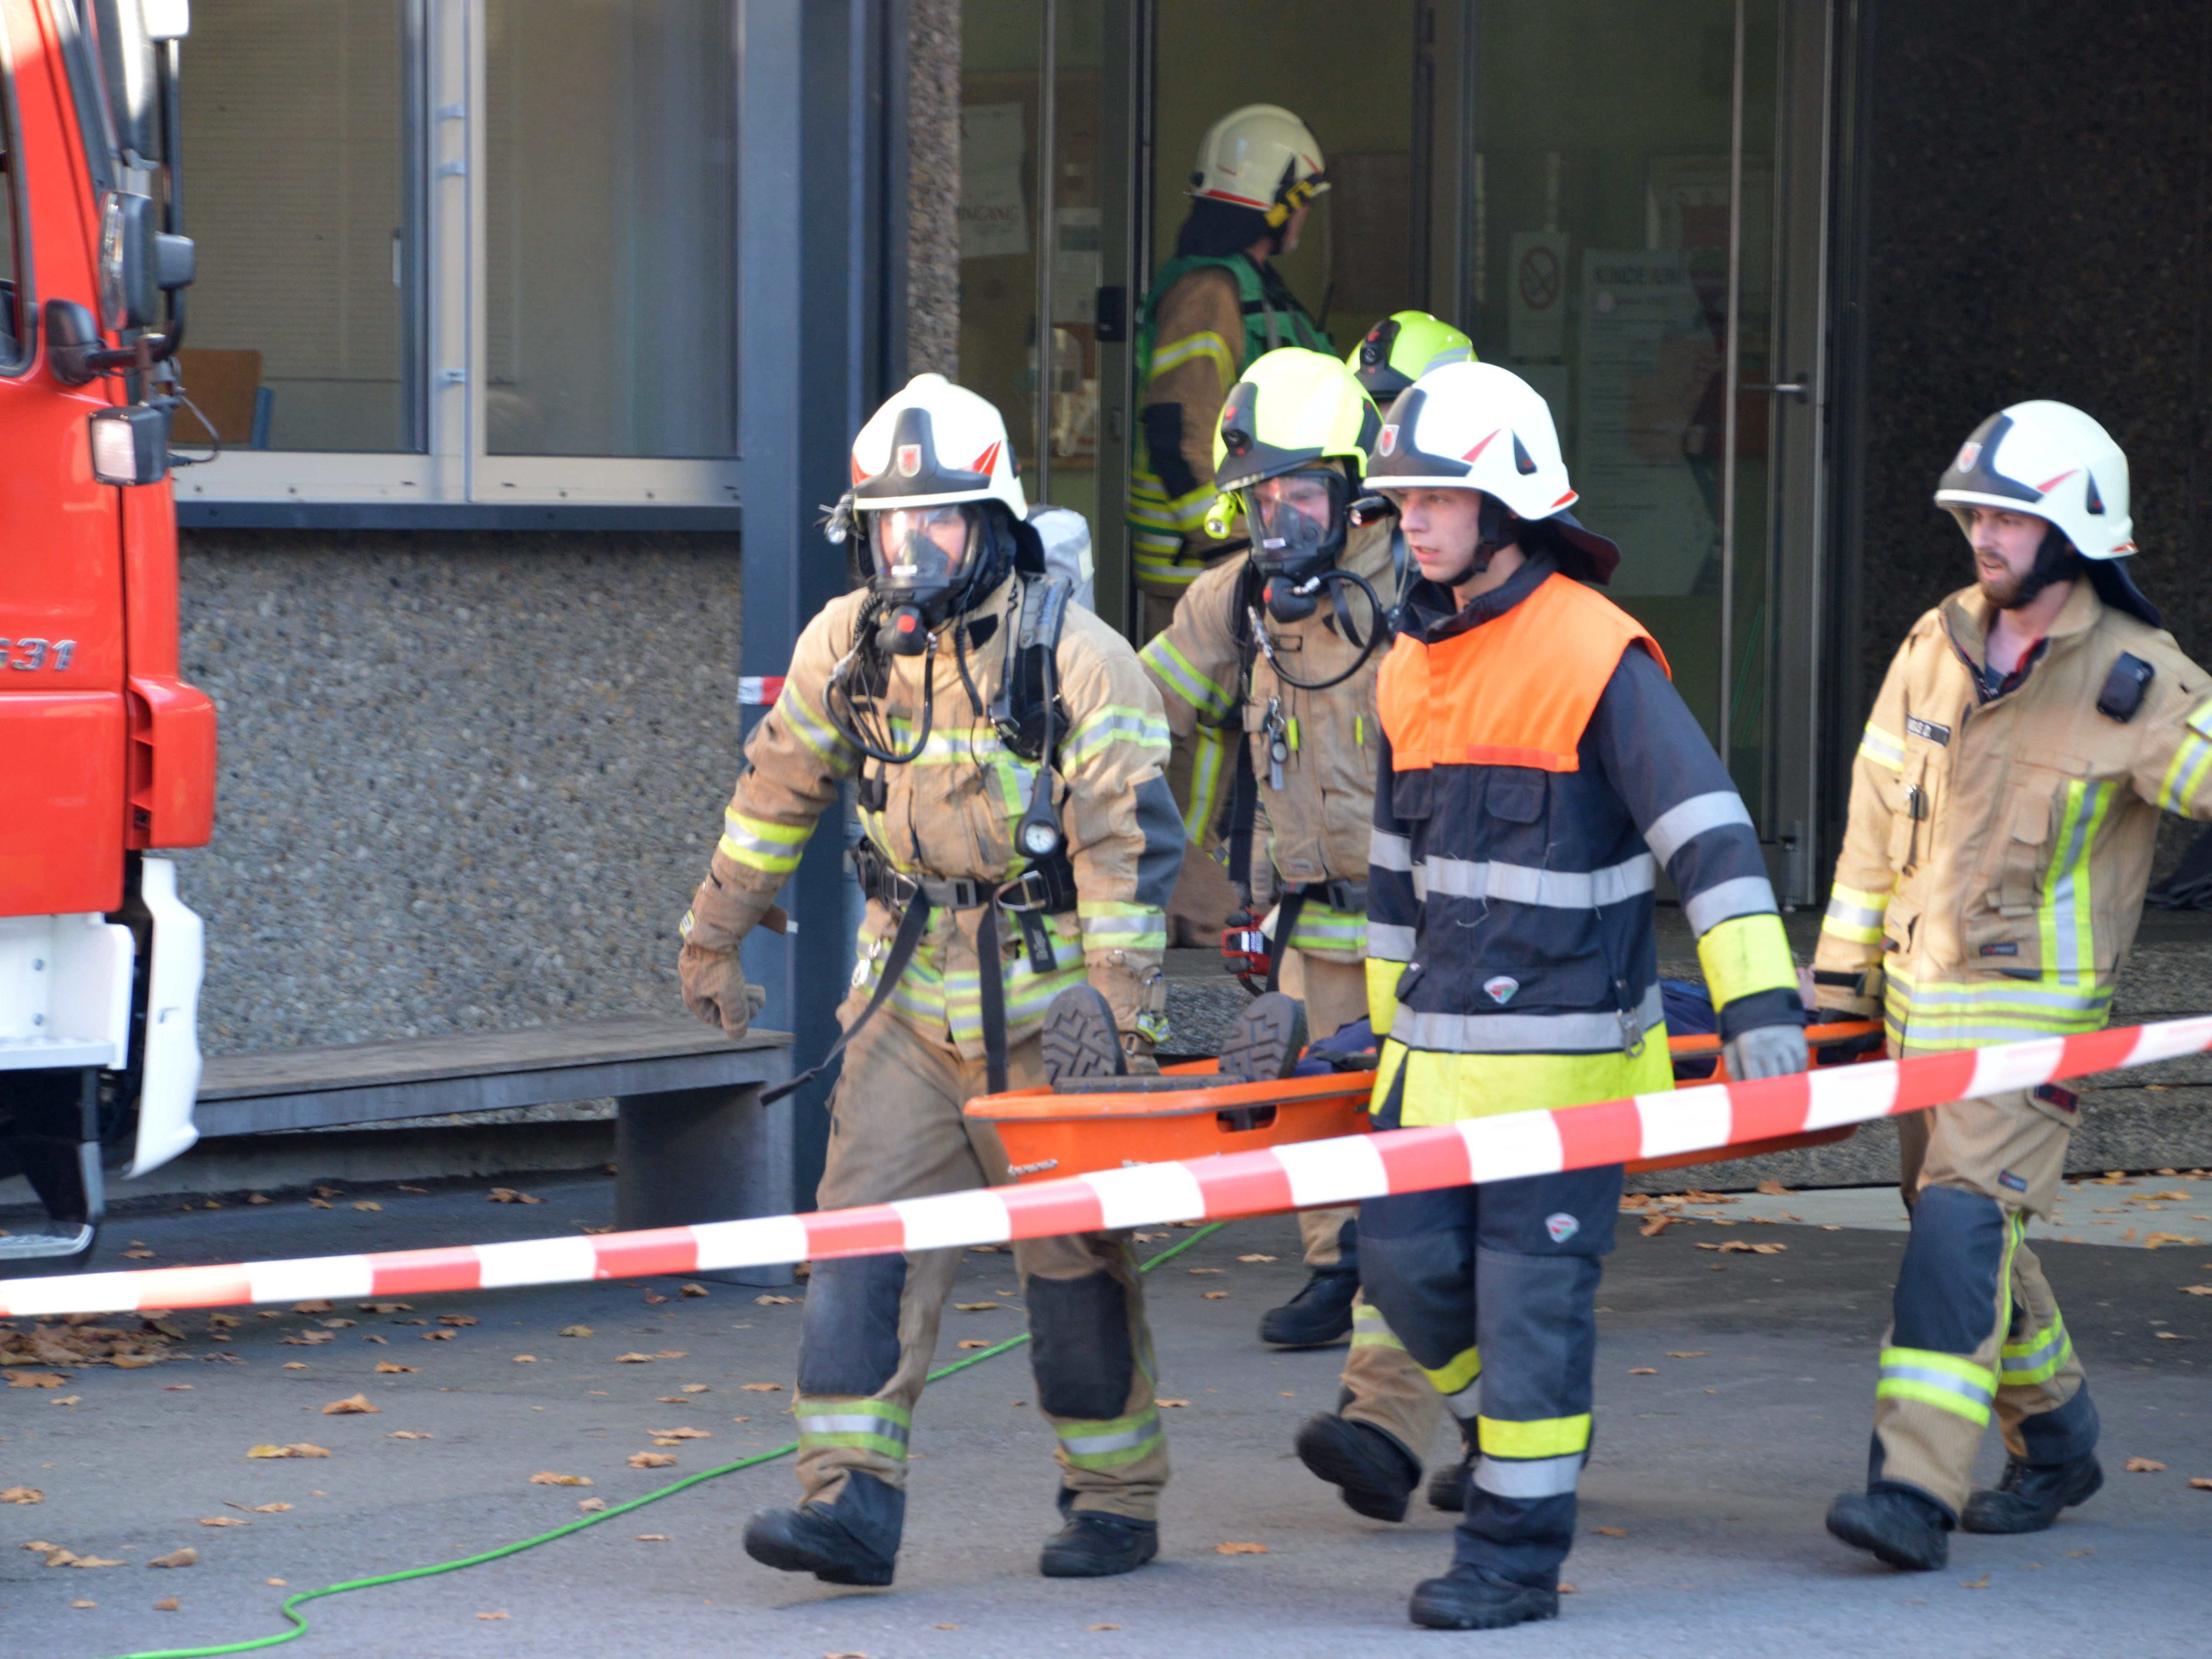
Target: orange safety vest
1517, 690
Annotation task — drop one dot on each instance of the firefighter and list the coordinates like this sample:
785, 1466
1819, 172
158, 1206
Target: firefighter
2003, 805
1538, 770
1213, 308
1280, 646
1019, 843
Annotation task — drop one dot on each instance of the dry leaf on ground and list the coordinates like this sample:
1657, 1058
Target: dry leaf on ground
2153, 1240
1102, 1627
508, 1195
1982, 1582
319, 1204
138, 1256
1234, 1548
366, 1204
1643, 1370
1215, 1295
692, 1289
1611, 1532
34, 1379
384, 1307
591, 1505
633, 1359
167, 1604
187, 1557
408, 1434
352, 1404
696, 1387
547, 1478
300, 1449
976, 1306
975, 1342
650, 1460
437, 1336
224, 1520
1772, 1188
1206, 1270
2200, 1483
1169, 1405
23, 1495
775, 1301
502, 1613
457, 1319
386, 1368
763, 1387
652, 1537
576, 1330
1241, 1258
1685, 1353
671, 1353
294, 1365
526, 1359
2145, 1466
681, 1434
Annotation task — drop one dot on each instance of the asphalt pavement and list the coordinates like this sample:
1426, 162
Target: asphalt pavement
1733, 1393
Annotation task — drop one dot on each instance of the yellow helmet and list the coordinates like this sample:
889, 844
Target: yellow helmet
1295, 411
1401, 349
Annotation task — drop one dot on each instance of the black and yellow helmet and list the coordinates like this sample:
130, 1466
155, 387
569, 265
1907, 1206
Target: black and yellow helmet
1401, 349
1301, 412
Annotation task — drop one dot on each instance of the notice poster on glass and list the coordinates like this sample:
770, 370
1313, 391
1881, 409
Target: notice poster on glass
994, 210
1645, 465
1536, 294
1075, 266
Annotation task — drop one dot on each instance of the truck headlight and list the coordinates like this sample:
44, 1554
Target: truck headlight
130, 445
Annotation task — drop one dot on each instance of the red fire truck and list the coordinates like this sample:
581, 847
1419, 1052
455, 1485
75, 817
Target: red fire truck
108, 753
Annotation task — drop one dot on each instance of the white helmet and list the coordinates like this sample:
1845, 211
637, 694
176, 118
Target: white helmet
1476, 426
1261, 156
923, 468
2050, 460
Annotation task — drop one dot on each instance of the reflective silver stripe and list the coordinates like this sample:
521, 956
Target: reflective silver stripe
1878, 746
1387, 942
1468, 1400
854, 1423
1746, 896
2011, 1362
1503, 1033
1388, 852
1534, 1477
1949, 1382
1090, 1445
1998, 996
1557, 890
1847, 914
1673, 829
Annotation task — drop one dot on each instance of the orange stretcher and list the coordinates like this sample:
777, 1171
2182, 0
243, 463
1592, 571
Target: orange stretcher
1186, 1112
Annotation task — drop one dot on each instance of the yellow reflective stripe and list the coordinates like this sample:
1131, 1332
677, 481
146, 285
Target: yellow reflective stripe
1167, 662
1744, 955
2038, 1359
1947, 1380
1110, 724
2185, 773
1448, 1088
1855, 913
1371, 1330
1114, 924
2066, 916
1456, 1372
1882, 749
814, 731
1382, 992
1544, 1436
1209, 776
1190, 348
1320, 929
763, 844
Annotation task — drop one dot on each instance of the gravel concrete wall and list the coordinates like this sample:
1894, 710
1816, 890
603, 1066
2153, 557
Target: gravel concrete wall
468, 780
932, 160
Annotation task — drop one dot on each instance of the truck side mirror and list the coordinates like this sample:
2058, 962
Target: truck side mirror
129, 264
72, 337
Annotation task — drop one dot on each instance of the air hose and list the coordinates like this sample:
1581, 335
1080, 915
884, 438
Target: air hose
292, 1603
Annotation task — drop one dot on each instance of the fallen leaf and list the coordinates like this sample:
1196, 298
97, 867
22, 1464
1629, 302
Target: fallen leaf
271, 1509
408, 1434
1241, 1258
1102, 1627
2200, 1483
1234, 1548
225, 1321
741, 1419
681, 1434
404, 1188
76, 1399
696, 1387
1685, 1353
655, 1297
775, 1301
1982, 1582
1207, 1270
386, 1368
547, 1478
1838, 1226
34, 1379
187, 1557
308, 1339
508, 1195
458, 1320
138, 1256
2172, 1336
576, 1330
319, 1204
944, 1627
437, 1336
652, 1537
500, 1614
2077, 1554
2197, 1290
692, 1289
633, 1359
167, 1604
23, 1495
1170, 1405
349, 1406
591, 1505
2174, 1198
763, 1387
338, 1324
1214, 1295
526, 1359
384, 1307
975, 1342
1656, 1225
1772, 1188
223, 1521
671, 1353
2145, 1466
82, 1602
1566, 1588
976, 1306
279, 1582
2153, 1240
1643, 1370
650, 1460
268, 1451
1613, 1532
366, 1204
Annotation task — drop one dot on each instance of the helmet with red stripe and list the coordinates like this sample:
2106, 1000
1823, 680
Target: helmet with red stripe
2050, 460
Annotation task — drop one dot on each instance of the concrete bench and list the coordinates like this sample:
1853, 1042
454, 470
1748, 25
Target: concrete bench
692, 1142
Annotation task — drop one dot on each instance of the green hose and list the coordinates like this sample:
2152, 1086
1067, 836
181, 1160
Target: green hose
293, 1602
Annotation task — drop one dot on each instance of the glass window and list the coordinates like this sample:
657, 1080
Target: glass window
296, 125
11, 283
609, 246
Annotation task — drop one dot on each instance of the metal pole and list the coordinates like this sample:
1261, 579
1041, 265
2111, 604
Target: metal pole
1048, 233
1731, 364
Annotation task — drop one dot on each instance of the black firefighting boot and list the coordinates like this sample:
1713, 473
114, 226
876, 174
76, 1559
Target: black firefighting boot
2029, 1495
1449, 1486
1376, 1475
1320, 1311
1078, 1039
1901, 1527
1468, 1598
1265, 1039
853, 1541
1095, 1544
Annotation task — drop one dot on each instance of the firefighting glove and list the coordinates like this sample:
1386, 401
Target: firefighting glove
1766, 1051
714, 988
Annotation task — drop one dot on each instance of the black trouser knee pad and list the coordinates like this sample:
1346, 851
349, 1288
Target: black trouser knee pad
1080, 1352
1946, 1287
848, 1344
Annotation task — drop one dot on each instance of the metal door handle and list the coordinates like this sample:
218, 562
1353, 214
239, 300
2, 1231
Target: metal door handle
1801, 390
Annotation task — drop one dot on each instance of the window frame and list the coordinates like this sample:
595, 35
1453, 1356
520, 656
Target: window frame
452, 478
25, 275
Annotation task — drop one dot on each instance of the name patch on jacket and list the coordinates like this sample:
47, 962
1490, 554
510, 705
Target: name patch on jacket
1940, 735
2002, 948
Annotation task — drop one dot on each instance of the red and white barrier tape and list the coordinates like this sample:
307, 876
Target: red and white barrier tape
1297, 1176
759, 690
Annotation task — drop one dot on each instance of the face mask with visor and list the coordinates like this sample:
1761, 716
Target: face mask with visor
919, 559
1297, 522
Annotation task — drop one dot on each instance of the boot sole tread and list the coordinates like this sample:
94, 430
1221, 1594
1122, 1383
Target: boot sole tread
1352, 1476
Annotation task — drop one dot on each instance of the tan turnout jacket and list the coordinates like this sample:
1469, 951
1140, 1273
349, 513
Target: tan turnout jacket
1993, 872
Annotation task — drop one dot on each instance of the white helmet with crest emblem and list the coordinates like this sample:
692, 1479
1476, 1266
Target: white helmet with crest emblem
934, 444
2050, 460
